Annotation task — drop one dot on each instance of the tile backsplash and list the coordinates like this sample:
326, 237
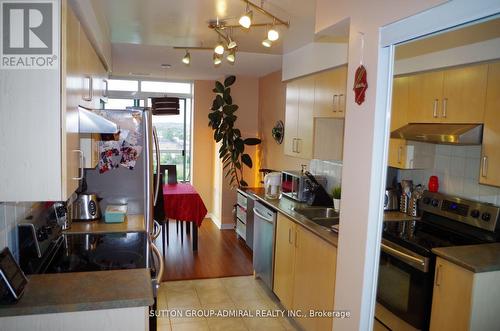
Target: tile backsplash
12, 213
458, 170
332, 170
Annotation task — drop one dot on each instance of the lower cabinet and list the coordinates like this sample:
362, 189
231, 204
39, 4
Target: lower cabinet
463, 300
304, 276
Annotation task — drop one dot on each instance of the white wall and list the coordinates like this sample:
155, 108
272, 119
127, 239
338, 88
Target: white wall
313, 57
11, 214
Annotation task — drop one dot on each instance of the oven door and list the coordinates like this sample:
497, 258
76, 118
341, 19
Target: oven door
405, 285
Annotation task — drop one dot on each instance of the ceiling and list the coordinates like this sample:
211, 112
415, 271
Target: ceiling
143, 34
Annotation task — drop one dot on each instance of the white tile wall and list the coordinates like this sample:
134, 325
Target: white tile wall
458, 170
10, 215
332, 170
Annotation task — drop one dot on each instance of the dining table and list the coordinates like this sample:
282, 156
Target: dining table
183, 203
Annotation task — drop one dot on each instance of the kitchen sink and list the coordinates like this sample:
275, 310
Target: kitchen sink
317, 212
325, 217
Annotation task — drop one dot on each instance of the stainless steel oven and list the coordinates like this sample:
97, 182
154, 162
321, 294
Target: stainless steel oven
405, 284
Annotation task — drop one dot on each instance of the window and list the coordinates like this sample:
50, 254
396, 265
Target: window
123, 85
165, 87
119, 103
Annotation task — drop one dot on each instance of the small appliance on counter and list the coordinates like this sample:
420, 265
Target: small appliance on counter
391, 200
317, 194
293, 184
86, 207
272, 185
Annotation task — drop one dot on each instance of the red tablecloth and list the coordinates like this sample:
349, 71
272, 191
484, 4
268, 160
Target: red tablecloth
183, 203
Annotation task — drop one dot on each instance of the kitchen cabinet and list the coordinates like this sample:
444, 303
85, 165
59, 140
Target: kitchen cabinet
299, 123
463, 300
39, 126
330, 93
398, 151
304, 276
399, 112
448, 96
284, 258
405, 154
490, 172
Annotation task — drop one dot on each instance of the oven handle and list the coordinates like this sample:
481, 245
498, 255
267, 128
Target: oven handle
160, 270
412, 260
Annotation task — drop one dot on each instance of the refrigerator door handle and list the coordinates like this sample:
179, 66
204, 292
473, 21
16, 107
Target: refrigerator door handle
157, 148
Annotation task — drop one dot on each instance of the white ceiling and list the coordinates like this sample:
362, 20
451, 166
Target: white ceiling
143, 34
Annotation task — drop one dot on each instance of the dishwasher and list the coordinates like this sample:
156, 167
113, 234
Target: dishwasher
263, 242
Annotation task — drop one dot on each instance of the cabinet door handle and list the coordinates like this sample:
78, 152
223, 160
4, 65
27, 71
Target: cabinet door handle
340, 109
89, 95
445, 104
293, 144
106, 89
290, 235
334, 97
435, 110
438, 275
298, 145
80, 170
484, 166
400, 153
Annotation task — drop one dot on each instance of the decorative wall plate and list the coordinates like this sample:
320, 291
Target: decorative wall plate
279, 132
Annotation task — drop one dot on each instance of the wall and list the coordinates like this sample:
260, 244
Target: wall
363, 151
203, 144
272, 94
458, 170
313, 57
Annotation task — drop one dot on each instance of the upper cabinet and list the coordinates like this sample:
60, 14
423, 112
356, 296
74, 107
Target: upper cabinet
330, 93
41, 158
299, 122
399, 114
448, 96
320, 96
490, 172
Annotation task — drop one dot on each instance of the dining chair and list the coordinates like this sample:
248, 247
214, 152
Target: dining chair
171, 170
160, 217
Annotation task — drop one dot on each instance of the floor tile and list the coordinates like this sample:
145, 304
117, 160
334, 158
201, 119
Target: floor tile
268, 324
199, 325
188, 299
225, 324
163, 325
213, 296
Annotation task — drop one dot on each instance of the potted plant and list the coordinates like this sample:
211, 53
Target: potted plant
336, 193
232, 149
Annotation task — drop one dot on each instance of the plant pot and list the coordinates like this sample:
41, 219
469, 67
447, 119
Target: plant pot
336, 204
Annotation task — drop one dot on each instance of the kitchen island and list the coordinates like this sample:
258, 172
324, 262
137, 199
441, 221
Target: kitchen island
100, 300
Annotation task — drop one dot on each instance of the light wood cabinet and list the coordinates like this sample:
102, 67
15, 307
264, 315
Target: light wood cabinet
490, 172
39, 127
304, 277
299, 123
330, 93
448, 96
398, 154
463, 300
284, 260
399, 112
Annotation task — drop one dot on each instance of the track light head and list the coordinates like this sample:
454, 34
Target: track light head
267, 43
273, 34
219, 49
187, 58
232, 44
231, 57
246, 20
217, 59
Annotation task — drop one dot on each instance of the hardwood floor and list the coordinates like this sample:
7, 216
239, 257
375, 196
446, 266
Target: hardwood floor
220, 254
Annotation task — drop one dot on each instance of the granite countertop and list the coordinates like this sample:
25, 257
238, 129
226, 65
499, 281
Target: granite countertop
80, 291
132, 223
476, 258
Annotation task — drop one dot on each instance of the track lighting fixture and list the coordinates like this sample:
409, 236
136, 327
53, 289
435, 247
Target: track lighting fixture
187, 58
231, 57
273, 34
217, 59
230, 41
219, 49
267, 43
246, 19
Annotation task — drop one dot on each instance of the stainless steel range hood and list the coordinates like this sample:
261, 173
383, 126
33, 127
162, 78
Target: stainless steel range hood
440, 133
91, 122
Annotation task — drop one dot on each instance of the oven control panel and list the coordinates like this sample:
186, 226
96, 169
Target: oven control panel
475, 213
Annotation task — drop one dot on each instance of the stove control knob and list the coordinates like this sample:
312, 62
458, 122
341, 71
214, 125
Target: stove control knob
426, 200
41, 234
475, 213
435, 202
486, 217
